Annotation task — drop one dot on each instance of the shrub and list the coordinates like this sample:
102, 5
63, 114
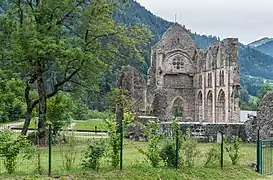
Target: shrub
233, 149
68, 152
213, 154
114, 141
153, 151
168, 153
93, 154
10, 147
189, 150
58, 112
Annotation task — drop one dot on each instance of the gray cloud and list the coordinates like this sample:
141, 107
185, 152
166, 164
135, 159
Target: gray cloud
246, 19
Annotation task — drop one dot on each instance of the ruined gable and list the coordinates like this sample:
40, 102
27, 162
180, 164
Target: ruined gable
205, 80
177, 37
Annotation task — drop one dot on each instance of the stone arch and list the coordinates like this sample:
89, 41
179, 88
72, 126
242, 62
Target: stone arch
200, 106
178, 106
209, 106
221, 113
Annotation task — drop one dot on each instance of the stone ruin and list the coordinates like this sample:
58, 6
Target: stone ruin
203, 83
264, 120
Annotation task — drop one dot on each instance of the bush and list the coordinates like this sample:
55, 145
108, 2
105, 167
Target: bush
11, 146
168, 153
153, 152
114, 141
58, 112
93, 154
213, 155
189, 150
233, 149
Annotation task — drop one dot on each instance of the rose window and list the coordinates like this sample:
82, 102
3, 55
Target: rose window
177, 63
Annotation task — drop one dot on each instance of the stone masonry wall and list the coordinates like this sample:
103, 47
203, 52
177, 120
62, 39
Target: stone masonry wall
198, 77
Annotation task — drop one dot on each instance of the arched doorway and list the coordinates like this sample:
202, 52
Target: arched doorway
209, 107
200, 106
221, 114
178, 107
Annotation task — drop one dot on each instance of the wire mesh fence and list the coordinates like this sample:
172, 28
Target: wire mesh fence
69, 147
67, 152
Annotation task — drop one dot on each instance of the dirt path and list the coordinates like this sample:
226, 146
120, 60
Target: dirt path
12, 125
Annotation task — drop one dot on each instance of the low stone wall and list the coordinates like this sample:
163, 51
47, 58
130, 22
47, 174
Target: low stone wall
207, 132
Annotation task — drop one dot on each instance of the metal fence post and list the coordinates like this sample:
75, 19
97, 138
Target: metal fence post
49, 149
261, 157
258, 152
222, 150
176, 149
121, 144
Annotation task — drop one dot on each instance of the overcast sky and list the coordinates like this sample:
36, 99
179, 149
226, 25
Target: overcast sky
247, 20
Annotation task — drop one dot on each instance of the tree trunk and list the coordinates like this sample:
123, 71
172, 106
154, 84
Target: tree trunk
42, 110
30, 107
27, 121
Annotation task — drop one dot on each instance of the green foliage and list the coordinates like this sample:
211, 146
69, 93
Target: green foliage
153, 152
80, 110
12, 105
38, 165
114, 141
114, 96
95, 114
93, 154
65, 45
129, 117
233, 149
68, 151
168, 153
10, 147
58, 112
213, 155
266, 87
189, 150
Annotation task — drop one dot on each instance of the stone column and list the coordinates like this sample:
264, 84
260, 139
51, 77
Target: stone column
204, 97
227, 93
214, 96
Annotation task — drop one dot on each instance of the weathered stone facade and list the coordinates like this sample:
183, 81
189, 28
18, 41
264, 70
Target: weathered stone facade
205, 83
265, 117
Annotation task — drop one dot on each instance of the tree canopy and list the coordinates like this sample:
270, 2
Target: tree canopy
57, 45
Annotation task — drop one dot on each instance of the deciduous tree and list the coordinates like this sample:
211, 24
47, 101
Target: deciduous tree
55, 44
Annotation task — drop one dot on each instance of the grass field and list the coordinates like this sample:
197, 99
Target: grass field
79, 125
90, 125
134, 163
136, 167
